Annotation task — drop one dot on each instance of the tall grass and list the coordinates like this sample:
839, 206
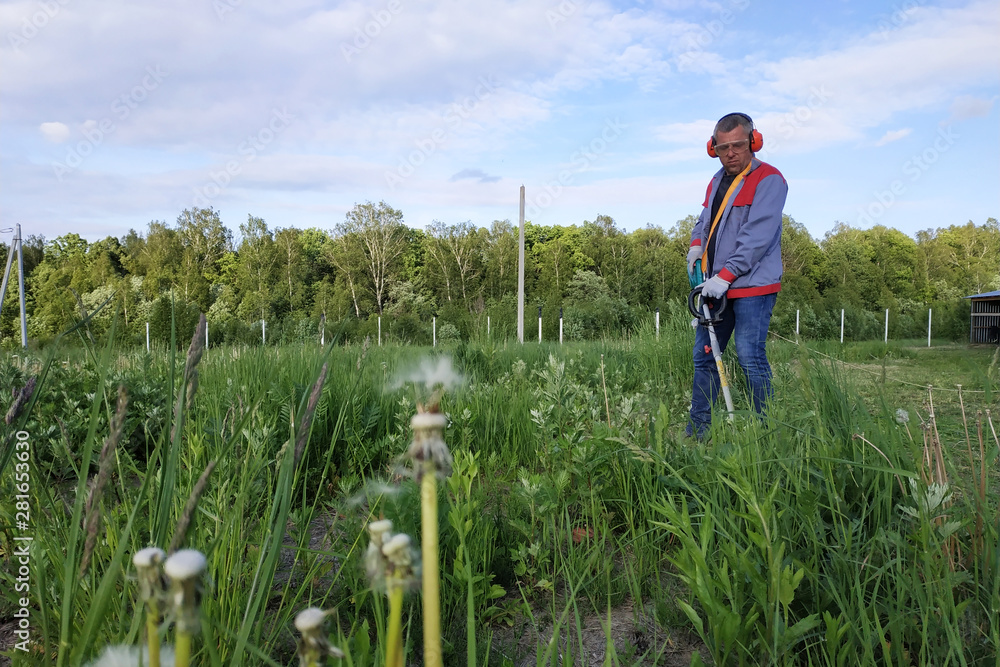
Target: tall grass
810, 538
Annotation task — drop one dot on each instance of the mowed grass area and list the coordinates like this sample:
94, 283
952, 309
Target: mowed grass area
819, 536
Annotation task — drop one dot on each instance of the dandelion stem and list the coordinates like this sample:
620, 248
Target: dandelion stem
153, 636
184, 569
394, 646
431, 580
182, 649
148, 564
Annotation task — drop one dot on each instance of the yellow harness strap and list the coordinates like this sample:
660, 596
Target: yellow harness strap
718, 216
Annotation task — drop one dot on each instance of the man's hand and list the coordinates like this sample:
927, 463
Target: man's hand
714, 288
694, 254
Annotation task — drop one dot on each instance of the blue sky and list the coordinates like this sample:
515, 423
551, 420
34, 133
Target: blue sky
116, 114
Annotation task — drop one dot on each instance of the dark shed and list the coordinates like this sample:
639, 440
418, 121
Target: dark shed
985, 318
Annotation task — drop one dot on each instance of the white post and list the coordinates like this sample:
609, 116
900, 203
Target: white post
147, 336
16, 247
928, 327
539, 324
380, 331
487, 326
263, 332
434, 332
886, 339
322, 330
657, 323
520, 272
841, 325
20, 286
560, 325
796, 325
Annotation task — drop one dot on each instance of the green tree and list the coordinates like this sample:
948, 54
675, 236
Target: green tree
256, 269
500, 259
609, 250
376, 234
204, 241
295, 268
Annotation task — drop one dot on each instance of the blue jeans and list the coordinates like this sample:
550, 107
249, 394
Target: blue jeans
748, 318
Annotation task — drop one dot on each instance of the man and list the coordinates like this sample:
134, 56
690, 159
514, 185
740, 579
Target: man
738, 241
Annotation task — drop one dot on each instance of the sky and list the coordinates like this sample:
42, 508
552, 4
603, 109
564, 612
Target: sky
116, 114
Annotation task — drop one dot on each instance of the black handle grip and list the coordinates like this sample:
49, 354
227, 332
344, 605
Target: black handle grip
717, 306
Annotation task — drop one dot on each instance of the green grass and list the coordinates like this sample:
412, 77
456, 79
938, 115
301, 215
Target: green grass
783, 542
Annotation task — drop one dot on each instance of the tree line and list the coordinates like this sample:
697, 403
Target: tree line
372, 264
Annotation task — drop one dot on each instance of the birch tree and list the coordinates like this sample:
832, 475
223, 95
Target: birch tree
377, 234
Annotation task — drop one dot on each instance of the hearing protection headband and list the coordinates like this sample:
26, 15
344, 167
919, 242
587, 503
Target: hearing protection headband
756, 139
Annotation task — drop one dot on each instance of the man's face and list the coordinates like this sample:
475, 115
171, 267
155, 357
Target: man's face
733, 149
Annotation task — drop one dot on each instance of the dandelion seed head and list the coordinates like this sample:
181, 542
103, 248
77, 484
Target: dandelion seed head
401, 563
185, 564
379, 528
148, 557
309, 620
397, 548
130, 656
902, 416
429, 374
428, 445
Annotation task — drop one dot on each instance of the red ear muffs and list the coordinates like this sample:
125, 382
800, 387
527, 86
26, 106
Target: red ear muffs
756, 140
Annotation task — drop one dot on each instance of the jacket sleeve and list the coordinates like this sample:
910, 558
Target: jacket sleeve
758, 232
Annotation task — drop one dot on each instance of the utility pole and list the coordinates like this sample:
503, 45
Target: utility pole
520, 272
17, 246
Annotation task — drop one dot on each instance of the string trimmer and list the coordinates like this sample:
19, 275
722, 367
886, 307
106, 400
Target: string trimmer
702, 310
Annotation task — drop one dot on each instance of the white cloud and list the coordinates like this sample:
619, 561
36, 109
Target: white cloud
893, 135
936, 54
968, 106
364, 104
54, 132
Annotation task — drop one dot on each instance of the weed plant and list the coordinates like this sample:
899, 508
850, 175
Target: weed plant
831, 533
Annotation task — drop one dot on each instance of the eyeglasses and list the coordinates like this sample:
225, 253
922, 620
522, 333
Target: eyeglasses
738, 146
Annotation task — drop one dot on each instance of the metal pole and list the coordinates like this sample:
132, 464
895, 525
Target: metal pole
487, 326
717, 354
20, 287
657, 323
434, 332
206, 334
147, 336
886, 339
322, 329
539, 324
841, 325
6, 272
263, 332
560, 325
380, 331
520, 271
928, 327
796, 325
